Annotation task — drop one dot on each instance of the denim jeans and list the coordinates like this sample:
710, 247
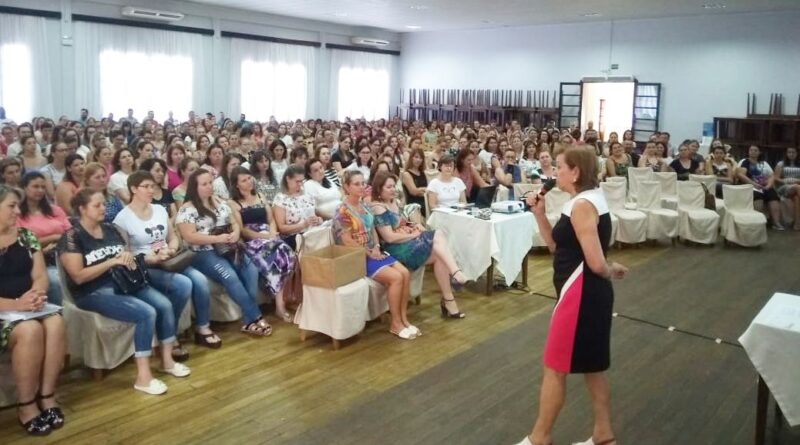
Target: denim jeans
201, 295
177, 288
240, 281
54, 286
147, 309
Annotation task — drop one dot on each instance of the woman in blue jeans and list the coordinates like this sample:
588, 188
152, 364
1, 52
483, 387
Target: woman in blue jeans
88, 251
205, 224
148, 231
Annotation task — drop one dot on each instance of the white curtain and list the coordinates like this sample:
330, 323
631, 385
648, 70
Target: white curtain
25, 84
360, 83
121, 67
272, 79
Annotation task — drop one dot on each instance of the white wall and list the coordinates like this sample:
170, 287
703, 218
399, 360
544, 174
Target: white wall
706, 65
207, 17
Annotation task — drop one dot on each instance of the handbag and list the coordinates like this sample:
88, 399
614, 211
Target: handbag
225, 250
293, 287
178, 262
710, 202
127, 281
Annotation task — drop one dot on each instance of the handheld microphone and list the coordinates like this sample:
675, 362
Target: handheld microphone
547, 185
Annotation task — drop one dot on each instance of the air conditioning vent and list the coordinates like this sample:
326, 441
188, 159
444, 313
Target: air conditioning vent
368, 41
151, 14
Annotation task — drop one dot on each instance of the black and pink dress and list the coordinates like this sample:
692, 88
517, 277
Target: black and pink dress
580, 328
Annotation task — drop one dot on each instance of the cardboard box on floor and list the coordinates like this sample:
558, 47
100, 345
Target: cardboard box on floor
333, 266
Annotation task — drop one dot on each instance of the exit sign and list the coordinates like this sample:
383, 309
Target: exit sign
614, 66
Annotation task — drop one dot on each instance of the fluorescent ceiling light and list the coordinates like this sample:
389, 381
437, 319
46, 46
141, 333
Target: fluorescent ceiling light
714, 6
413, 26
590, 14
418, 7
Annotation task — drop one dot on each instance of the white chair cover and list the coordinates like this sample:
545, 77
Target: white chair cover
669, 189
742, 224
635, 175
632, 225
502, 193
710, 182
697, 223
520, 190
617, 179
338, 313
661, 223
554, 204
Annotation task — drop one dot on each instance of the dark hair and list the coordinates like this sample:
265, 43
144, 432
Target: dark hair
172, 148
118, 155
139, 146
448, 160
194, 198
378, 181
148, 165
8, 162
461, 158
325, 183
24, 139
786, 160
298, 152
375, 165
185, 164
81, 199
255, 158
44, 205
67, 162
586, 162
292, 171
225, 161
274, 144
349, 175
207, 161
137, 178
236, 195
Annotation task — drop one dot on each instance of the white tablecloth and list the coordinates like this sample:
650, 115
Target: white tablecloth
474, 242
772, 342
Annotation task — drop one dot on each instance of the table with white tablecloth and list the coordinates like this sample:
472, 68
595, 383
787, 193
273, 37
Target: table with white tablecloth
772, 342
480, 245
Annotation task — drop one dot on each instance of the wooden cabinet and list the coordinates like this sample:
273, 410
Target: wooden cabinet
773, 134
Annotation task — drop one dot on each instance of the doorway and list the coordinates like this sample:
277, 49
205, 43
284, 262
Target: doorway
608, 106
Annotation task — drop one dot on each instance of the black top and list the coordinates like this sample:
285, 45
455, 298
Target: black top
683, 172
94, 251
420, 180
16, 263
166, 200
337, 157
256, 214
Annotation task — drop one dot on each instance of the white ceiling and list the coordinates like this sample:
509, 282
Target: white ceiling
438, 15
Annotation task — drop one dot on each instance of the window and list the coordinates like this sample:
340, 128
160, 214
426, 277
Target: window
144, 82
363, 92
16, 87
273, 89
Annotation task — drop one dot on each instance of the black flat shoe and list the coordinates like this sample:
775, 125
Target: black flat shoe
37, 426
53, 416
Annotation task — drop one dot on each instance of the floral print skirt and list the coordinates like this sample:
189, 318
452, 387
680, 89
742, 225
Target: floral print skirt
273, 258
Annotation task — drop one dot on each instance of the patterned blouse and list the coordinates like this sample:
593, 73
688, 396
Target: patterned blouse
297, 207
358, 225
204, 224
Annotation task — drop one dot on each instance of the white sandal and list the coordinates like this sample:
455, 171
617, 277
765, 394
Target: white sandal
178, 370
154, 388
415, 330
405, 334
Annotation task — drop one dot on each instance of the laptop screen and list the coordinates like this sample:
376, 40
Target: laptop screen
485, 197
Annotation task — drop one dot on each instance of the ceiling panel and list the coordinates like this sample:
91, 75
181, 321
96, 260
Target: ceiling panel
438, 15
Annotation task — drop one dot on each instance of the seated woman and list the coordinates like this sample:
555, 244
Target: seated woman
412, 244
446, 190
294, 210
720, 166
618, 162
509, 172
186, 167
31, 156
651, 159
327, 196
465, 170
146, 227
47, 222
298, 156
362, 162
221, 184
213, 160
124, 165
206, 225
10, 172
787, 178
161, 196
752, 170
278, 154
684, 165
354, 226
174, 155
414, 180
75, 169
55, 170
144, 151
36, 346
88, 252
344, 156
273, 258
324, 155
94, 178
261, 169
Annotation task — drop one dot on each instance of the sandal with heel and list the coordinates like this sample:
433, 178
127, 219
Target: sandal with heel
38, 426
203, 340
448, 314
53, 416
455, 284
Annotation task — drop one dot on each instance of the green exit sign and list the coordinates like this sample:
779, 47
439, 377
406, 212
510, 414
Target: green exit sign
614, 66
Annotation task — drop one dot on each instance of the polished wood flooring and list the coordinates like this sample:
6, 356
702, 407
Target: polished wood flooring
473, 381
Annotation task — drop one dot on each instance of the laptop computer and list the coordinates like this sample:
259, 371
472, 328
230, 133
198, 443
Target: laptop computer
485, 197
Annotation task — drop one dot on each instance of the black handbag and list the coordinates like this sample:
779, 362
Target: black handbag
229, 251
127, 281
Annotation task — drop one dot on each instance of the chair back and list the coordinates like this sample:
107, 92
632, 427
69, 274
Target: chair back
637, 174
691, 195
617, 179
738, 197
649, 195
315, 238
709, 180
555, 200
66, 294
521, 189
614, 193
669, 182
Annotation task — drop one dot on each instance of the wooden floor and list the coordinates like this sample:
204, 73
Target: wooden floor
473, 381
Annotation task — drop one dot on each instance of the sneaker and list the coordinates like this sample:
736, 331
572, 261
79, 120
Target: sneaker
778, 227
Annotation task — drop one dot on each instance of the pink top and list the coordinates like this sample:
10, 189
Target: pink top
173, 179
43, 226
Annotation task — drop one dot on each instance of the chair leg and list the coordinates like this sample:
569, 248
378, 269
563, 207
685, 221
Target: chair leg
417, 300
97, 374
336, 344
302, 335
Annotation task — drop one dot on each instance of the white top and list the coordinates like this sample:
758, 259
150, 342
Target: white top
447, 193
219, 188
118, 181
144, 236
594, 196
278, 169
363, 169
14, 150
326, 199
485, 156
84, 152
55, 175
